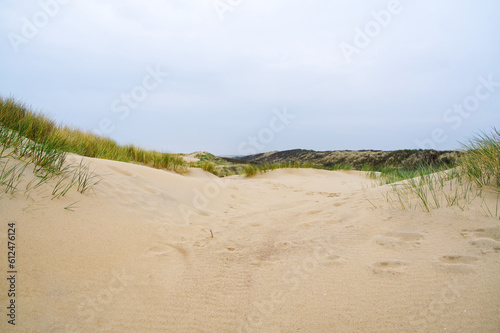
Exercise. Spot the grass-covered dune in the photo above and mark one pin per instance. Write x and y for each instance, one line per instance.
(360, 160)
(395, 165)
(37, 127)
(481, 163)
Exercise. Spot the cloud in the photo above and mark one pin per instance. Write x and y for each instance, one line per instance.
(227, 76)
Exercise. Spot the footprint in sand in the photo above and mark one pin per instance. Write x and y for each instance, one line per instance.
(456, 263)
(165, 249)
(399, 239)
(493, 233)
(486, 245)
(333, 259)
(389, 267)
(487, 239)
(168, 262)
(325, 255)
(457, 259)
(289, 244)
(334, 220)
(308, 224)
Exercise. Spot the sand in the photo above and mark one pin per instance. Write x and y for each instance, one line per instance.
(296, 250)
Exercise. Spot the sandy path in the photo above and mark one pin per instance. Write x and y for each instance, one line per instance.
(292, 251)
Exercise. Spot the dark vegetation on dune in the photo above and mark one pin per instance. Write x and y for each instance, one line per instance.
(400, 164)
(359, 160)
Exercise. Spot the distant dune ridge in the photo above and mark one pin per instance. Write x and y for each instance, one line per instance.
(357, 159)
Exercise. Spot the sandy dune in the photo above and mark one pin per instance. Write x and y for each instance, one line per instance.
(292, 251)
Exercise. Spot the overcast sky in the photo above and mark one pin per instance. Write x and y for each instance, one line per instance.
(245, 76)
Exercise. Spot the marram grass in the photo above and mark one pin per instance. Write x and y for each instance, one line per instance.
(29, 138)
(40, 129)
(428, 187)
(18, 152)
(481, 163)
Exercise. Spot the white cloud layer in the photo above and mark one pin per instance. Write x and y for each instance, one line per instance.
(412, 61)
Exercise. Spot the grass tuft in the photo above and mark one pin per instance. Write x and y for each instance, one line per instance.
(26, 123)
(481, 163)
(431, 187)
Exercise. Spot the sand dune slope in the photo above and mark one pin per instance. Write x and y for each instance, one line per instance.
(288, 251)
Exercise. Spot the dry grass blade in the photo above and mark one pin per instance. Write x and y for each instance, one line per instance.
(459, 187)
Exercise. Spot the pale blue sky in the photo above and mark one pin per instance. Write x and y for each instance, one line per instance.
(350, 74)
